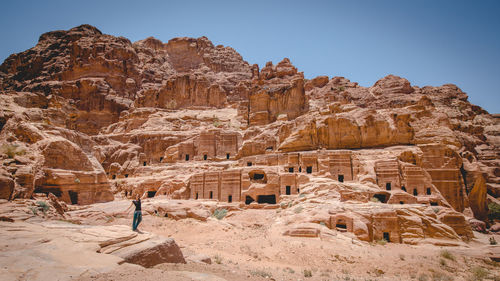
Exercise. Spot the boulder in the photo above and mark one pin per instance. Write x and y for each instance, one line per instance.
(152, 252)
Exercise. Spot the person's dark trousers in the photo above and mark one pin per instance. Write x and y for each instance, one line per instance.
(137, 220)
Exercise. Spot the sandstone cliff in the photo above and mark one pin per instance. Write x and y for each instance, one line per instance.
(84, 115)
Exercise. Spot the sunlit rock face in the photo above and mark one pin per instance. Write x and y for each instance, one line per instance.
(90, 117)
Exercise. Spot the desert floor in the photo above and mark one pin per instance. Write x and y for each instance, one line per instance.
(249, 245)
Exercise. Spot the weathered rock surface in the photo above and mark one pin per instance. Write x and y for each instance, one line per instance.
(89, 117)
(59, 250)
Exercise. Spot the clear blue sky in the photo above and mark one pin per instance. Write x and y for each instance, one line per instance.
(430, 42)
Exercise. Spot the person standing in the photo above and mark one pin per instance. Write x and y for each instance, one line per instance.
(137, 213)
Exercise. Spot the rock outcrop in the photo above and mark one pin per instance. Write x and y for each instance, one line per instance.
(89, 117)
(67, 250)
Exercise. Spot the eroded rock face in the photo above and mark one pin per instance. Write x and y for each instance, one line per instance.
(84, 115)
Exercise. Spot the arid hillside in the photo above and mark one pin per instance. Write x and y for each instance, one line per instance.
(198, 132)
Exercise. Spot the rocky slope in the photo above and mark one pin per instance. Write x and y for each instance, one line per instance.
(91, 117)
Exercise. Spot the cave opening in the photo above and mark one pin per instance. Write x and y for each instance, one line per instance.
(73, 196)
(187, 157)
(387, 236)
(257, 176)
(151, 194)
(341, 178)
(380, 197)
(269, 199)
(428, 191)
(290, 169)
(403, 188)
(341, 225)
(248, 200)
(415, 192)
(54, 190)
(205, 157)
(249, 164)
(227, 155)
(288, 190)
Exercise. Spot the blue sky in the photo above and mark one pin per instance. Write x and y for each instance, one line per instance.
(428, 42)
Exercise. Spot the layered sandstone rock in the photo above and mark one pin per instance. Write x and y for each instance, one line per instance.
(84, 114)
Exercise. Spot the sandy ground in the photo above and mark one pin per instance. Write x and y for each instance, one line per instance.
(249, 245)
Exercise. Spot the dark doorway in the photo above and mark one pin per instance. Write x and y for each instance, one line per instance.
(300, 169)
(205, 157)
(309, 169)
(434, 204)
(428, 191)
(196, 196)
(388, 186)
(269, 199)
(403, 188)
(248, 200)
(298, 190)
(144, 164)
(381, 197)
(341, 178)
(401, 202)
(230, 198)
(341, 225)
(187, 157)
(288, 191)
(415, 192)
(113, 177)
(73, 196)
(257, 176)
(387, 237)
(249, 164)
(161, 159)
(211, 195)
(227, 156)
(126, 175)
(151, 194)
(290, 169)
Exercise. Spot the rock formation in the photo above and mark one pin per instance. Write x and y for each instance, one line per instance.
(89, 117)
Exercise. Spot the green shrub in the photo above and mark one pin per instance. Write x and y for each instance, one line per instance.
(382, 242)
(77, 180)
(12, 150)
(307, 273)
(261, 273)
(220, 213)
(374, 200)
(217, 259)
(494, 211)
(479, 273)
(447, 255)
(493, 241)
(43, 205)
(34, 210)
